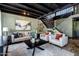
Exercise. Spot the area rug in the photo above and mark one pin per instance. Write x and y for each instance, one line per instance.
(50, 50)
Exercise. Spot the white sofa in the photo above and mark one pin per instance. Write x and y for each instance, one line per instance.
(51, 38)
(26, 37)
(61, 42)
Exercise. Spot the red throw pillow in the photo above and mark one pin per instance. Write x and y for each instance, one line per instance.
(46, 33)
(58, 36)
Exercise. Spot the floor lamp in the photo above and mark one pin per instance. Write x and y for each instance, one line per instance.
(5, 32)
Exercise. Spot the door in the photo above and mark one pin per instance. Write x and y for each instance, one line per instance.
(76, 27)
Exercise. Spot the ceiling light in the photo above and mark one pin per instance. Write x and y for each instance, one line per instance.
(28, 14)
(24, 12)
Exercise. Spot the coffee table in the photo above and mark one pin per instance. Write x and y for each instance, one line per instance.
(35, 45)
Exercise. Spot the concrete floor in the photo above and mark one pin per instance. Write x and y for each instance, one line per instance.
(73, 46)
(50, 50)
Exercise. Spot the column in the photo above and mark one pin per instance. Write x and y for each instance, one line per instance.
(1, 48)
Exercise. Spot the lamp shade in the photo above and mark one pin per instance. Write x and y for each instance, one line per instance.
(5, 29)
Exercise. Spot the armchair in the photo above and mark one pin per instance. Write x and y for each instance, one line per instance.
(61, 42)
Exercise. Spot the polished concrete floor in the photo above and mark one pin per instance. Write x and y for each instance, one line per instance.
(50, 50)
(73, 46)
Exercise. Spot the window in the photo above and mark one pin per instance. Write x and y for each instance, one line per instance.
(64, 11)
(58, 13)
(50, 16)
(70, 9)
(61, 12)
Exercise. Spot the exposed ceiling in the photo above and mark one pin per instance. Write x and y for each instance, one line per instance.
(33, 10)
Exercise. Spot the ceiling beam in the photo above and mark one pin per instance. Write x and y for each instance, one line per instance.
(31, 6)
(20, 6)
(63, 7)
(56, 6)
(30, 9)
(46, 6)
(17, 13)
(42, 7)
(17, 9)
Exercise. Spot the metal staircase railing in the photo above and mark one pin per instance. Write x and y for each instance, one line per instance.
(59, 22)
(44, 23)
(58, 28)
(48, 25)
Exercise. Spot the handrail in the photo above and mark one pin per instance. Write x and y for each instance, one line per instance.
(59, 22)
(44, 23)
(58, 30)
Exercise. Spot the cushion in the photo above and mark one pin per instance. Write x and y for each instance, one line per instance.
(15, 35)
(20, 34)
(58, 33)
(46, 33)
(58, 36)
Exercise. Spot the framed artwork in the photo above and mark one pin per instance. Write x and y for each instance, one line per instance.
(23, 25)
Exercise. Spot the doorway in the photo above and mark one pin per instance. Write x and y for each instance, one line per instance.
(76, 27)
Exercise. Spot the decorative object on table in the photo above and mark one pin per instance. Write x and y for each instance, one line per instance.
(47, 36)
(33, 40)
(33, 37)
(37, 37)
(50, 35)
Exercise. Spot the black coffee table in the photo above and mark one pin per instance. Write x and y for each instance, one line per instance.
(35, 45)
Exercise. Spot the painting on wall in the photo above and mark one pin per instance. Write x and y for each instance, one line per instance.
(23, 25)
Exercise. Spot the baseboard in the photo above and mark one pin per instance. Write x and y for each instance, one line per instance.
(73, 37)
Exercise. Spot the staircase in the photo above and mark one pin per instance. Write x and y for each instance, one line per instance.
(47, 23)
(59, 25)
(59, 22)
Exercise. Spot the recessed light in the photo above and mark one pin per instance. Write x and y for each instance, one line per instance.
(28, 14)
(24, 12)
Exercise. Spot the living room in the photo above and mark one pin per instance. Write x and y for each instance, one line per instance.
(28, 35)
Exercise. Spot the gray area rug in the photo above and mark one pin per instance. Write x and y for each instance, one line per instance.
(50, 50)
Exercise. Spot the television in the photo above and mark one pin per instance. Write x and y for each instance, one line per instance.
(23, 25)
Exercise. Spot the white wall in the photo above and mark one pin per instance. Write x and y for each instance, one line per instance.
(66, 26)
(8, 20)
